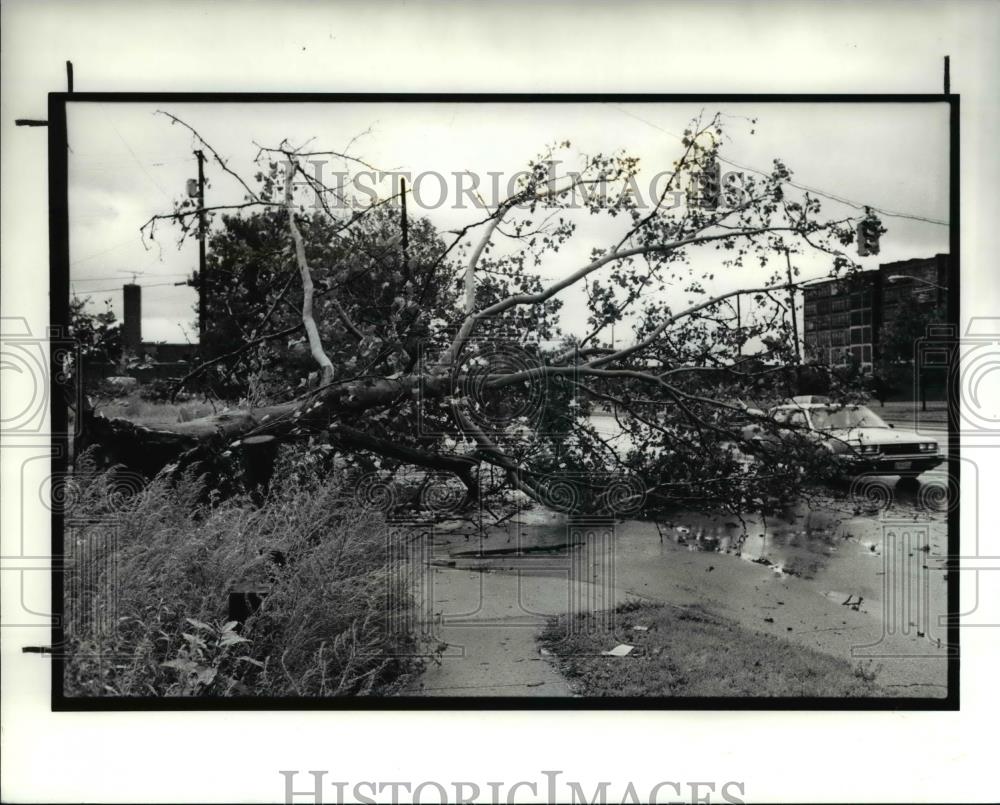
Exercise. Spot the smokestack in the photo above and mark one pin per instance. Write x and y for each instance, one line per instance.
(132, 327)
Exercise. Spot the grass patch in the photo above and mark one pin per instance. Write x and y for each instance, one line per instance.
(907, 413)
(146, 592)
(689, 652)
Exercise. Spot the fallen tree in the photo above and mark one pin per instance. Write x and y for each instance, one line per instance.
(404, 374)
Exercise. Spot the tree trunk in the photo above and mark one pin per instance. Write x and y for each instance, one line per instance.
(150, 449)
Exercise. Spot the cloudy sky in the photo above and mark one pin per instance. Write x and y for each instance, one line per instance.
(128, 163)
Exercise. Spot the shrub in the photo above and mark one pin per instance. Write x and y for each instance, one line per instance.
(146, 597)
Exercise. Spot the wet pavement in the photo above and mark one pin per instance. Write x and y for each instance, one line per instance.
(857, 576)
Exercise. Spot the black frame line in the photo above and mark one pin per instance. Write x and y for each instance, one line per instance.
(59, 320)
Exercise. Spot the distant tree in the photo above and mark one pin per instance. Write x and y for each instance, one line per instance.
(898, 342)
(98, 336)
(372, 311)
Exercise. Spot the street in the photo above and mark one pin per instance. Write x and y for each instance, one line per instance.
(856, 574)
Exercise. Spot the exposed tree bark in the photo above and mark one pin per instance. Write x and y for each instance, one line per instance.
(312, 332)
(150, 449)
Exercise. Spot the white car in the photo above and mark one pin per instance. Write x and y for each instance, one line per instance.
(854, 434)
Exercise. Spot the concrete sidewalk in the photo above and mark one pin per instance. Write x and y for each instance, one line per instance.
(490, 622)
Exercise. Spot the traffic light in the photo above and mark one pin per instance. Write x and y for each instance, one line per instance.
(707, 187)
(869, 232)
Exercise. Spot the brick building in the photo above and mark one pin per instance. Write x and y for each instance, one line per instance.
(842, 318)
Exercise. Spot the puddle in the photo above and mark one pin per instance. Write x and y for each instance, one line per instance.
(825, 542)
(833, 541)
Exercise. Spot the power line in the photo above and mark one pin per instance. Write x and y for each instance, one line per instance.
(113, 277)
(840, 199)
(806, 188)
(137, 161)
(119, 287)
(105, 251)
(85, 162)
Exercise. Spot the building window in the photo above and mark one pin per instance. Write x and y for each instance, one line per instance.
(861, 300)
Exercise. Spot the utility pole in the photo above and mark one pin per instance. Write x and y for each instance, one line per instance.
(202, 278)
(404, 226)
(739, 330)
(791, 304)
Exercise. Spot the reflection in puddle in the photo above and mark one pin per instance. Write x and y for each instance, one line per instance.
(800, 541)
(804, 539)
(797, 543)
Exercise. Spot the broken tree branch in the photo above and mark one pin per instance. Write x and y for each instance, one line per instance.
(312, 332)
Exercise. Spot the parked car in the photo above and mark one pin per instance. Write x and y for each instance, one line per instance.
(854, 434)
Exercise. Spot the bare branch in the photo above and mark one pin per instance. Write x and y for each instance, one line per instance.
(222, 163)
(470, 279)
(470, 322)
(312, 332)
(229, 356)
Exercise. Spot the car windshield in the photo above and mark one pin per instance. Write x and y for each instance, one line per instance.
(854, 416)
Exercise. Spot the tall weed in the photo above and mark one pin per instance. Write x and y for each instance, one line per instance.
(147, 585)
